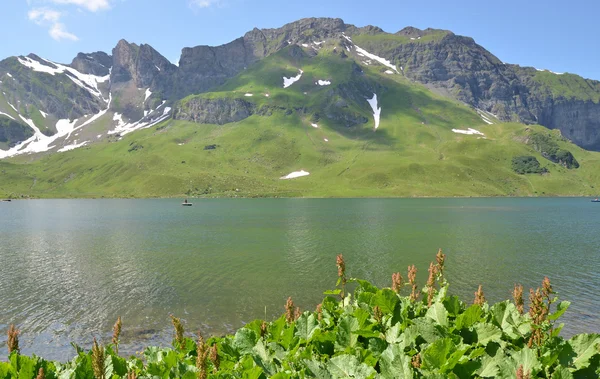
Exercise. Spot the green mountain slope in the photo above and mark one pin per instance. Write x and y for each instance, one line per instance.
(228, 143)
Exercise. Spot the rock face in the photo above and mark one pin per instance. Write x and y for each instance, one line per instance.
(98, 63)
(12, 132)
(54, 94)
(141, 64)
(452, 65)
(458, 67)
(215, 111)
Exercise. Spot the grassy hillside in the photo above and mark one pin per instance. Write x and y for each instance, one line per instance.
(414, 152)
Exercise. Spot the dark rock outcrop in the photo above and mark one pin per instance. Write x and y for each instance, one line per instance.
(98, 63)
(215, 111)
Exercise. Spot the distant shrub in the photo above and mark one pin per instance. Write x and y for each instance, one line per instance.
(527, 165)
(550, 150)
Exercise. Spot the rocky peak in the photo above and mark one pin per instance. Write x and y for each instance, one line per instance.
(142, 64)
(98, 63)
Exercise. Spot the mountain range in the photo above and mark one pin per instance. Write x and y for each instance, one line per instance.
(317, 107)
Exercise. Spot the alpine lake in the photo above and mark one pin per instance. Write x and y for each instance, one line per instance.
(71, 267)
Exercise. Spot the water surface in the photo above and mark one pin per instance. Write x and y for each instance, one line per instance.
(70, 267)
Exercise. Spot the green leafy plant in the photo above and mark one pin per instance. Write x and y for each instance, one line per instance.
(368, 333)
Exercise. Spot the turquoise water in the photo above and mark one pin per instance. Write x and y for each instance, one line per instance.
(70, 267)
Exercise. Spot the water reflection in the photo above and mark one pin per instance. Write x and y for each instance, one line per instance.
(71, 267)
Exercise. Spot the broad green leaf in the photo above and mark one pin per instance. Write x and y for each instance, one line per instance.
(562, 373)
(317, 369)
(487, 333)
(252, 373)
(426, 329)
(560, 310)
(362, 316)
(394, 334)
(346, 336)
(526, 357)
(332, 292)
(456, 356)
(584, 347)
(438, 313)
(489, 366)
(366, 286)
(506, 316)
(471, 316)
(288, 338)
(386, 300)
(348, 366)
(263, 358)
(306, 326)
(395, 364)
(452, 305)
(244, 340)
(434, 357)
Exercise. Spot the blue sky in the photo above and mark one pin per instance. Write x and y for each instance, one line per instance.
(558, 35)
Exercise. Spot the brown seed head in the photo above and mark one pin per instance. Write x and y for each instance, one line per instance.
(131, 375)
(202, 353)
(98, 360)
(263, 329)
(547, 288)
(41, 374)
(440, 259)
(289, 310)
(13, 339)
(341, 265)
(521, 373)
(297, 313)
(397, 282)
(377, 314)
(518, 297)
(416, 361)
(433, 270)
(178, 331)
(214, 357)
(320, 311)
(117, 334)
(479, 297)
(412, 274)
(538, 312)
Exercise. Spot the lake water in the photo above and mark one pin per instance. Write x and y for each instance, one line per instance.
(70, 267)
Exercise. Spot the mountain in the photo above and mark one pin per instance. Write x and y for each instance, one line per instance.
(345, 111)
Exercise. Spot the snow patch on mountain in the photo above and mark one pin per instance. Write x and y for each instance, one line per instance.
(295, 174)
(374, 57)
(7, 115)
(66, 126)
(376, 110)
(469, 131)
(148, 94)
(85, 81)
(44, 114)
(323, 83)
(289, 81)
(73, 146)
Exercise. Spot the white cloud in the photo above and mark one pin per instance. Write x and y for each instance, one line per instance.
(91, 5)
(58, 32)
(51, 19)
(205, 3)
(44, 15)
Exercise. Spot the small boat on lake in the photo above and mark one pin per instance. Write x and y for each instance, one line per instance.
(6, 200)
(596, 200)
(186, 204)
